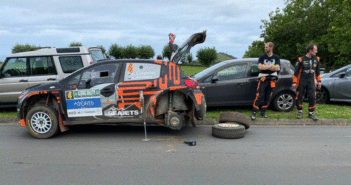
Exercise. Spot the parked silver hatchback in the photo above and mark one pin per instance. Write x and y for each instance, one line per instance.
(27, 69)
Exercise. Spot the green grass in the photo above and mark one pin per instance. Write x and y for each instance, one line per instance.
(191, 70)
(8, 114)
(322, 111)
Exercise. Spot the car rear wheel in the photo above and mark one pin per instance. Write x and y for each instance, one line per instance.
(229, 130)
(42, 123)
(284, 101)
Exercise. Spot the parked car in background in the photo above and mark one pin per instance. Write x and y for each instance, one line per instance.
(26, 69)
(234, 83)
(336, 86)
(115, 91)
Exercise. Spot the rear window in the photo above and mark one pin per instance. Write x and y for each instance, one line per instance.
(141, 71)
(96, 54)
(70, 64)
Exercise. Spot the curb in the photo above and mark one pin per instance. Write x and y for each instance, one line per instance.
(259, 121)
(277, 122)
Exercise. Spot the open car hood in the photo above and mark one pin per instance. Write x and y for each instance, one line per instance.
(184, 49)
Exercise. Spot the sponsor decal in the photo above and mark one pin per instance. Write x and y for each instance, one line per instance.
(115, 112)
(81, 103)
(130, 68)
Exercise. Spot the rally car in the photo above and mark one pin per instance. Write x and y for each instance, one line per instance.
(116, 91)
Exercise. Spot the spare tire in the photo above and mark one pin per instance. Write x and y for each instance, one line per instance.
(235, 117)
(229, 130)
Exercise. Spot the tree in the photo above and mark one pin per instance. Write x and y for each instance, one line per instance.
(206, 56)
(256, 49)
(75, 44)
(116, 51)
(102, 48)
(189, 57)
(130, 52)
(22, 48)
(159, 57)
(166, 53)
(146, 52)
(324, 22)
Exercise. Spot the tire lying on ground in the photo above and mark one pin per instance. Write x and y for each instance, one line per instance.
(229, 130)
(235, 117)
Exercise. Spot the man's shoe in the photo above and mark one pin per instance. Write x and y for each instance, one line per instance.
(299, 115)
(263, 114)
(253, 116)
(312, 116)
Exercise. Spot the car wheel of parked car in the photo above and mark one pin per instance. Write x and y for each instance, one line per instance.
(235, 117)
(229, 130)
(322, 96)
(42, 122)
(284, 101)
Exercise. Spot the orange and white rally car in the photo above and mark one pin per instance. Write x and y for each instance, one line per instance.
(116, 91)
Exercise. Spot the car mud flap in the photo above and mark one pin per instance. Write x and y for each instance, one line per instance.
(63, 128)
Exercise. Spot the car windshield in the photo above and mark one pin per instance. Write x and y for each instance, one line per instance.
(96, 54)
(210, 69)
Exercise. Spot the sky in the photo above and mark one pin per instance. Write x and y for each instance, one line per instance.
(231, 25)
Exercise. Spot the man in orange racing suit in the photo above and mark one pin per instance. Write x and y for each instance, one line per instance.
(307, 72)
(269, 65)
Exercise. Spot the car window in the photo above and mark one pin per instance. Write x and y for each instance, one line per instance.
(254, 69)
(41, 66)
(75, 79)
(70, 64)
(338, 73)
(15, 67)
(141, 71)
(207, 79)
(96, 54)
(348, 71)
(232, 72)
(98, 75)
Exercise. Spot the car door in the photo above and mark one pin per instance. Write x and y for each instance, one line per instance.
(92, 92)
(226, 86)
(252, 83)
(14, 79)
(342, 86)
(137, 80)
(42, 70)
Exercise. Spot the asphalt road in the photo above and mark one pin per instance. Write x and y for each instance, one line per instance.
(117, 155)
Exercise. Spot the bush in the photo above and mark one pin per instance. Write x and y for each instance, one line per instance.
(189, 58)
(206, 56)
(145, 52)
(166, 53)
(74, 44)
(116, 51)
(22, 48)
(131, 52)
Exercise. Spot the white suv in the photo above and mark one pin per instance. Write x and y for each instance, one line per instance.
(26, 69)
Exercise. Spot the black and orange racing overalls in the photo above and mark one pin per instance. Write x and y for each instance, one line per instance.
(264, 93)
(307, 73)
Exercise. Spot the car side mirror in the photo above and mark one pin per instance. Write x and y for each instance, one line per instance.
(342, 75)
(214, 79)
